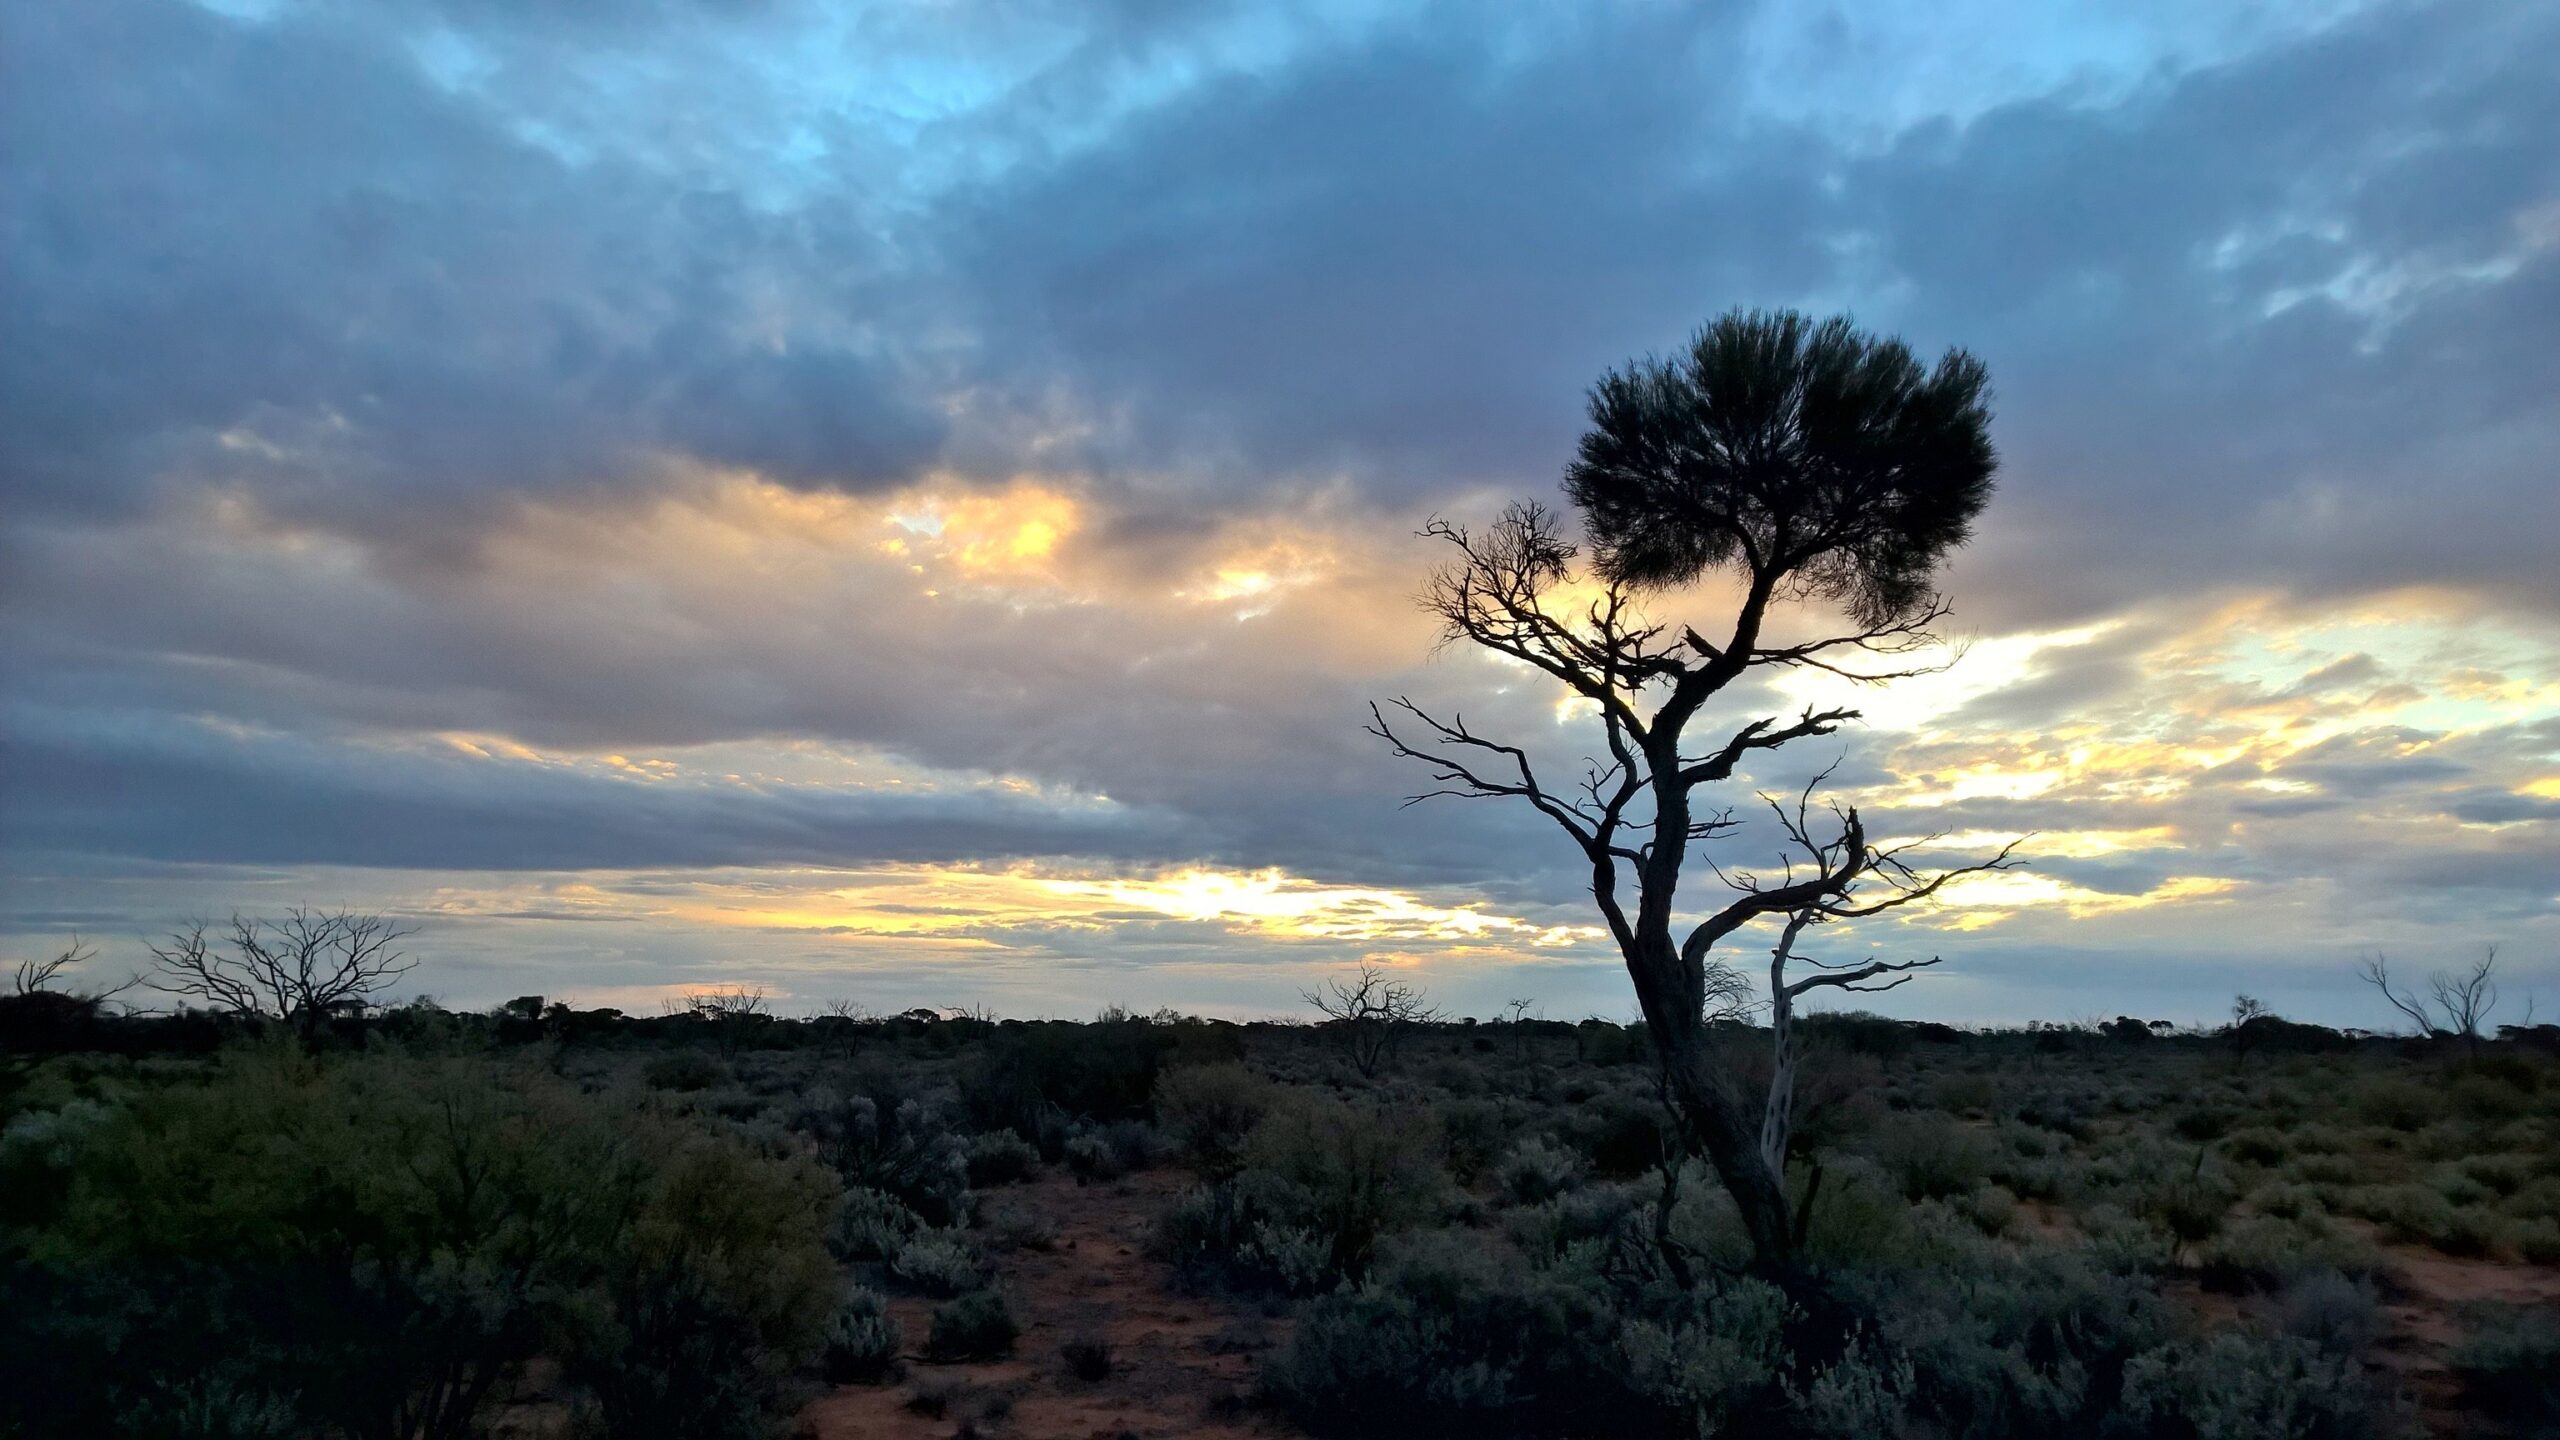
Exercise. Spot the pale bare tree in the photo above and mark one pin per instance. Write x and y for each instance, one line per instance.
(301, 970)
(1881, 881)
(2457, 1003)
(1373, 1010)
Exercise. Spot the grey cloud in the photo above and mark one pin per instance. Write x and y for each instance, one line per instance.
(287, 235)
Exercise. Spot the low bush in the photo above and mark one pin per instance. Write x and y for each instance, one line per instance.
(2332, 1311)
(1363, 1171)
(1088, 1356)
(296, 1246)
(871, 1225)
(862, 1340)
(1933, 1156)
(1538, 1169)
(895, 1144)
(1473, 1134)
(1000, 1157)
(1102, 1071)
(976, 1326)
(683, 1070)
(2510, 1364)
(937, 1262)
(1255, 1233)
(1090, 1157)
(1208, 1113)
(2236, 1385)
(1443, 1341)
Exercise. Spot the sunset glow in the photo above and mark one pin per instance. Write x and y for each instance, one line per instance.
(928, 521)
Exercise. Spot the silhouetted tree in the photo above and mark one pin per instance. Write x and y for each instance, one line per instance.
(44, 1012)
(303, 970)
(1813, 463)
(2456, 1005)
(1373, 1011)
(2244, 1009)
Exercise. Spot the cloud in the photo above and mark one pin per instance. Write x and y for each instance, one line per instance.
(474, 449)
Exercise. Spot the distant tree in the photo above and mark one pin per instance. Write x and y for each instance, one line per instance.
(2244, 1009)
(2456, 1005)
(1372, 1010)
(1812, 463)
(1516, 1015)
(850, 1021)
(44, 1012)
(734, 1011)
(304, 970)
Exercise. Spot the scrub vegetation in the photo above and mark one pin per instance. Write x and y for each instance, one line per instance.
(547, 1221)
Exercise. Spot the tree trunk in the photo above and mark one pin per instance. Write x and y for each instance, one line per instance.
(1712, 1121)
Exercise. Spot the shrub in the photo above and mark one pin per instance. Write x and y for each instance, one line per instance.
(897, 1145)
(1000, 1157)
(1863, 1393)
(2331, 1311)
(871, 1225)
(2261, 1252)
(1208, 1112)
(1363, 1171)
(1538, 1169)
(1443, 1342)
(1091, 1157)
(1088, 1356)
(1136, 1144)
(1858, 1214)
(862, 1340)
(936, 1262)
(2510, 1364)
(1102, 1071)
(2257, 1145)
(1965, 1093)
(326, 1247)
(1621, 1133)
(2203, 1123)
(1720, 1358)
(1254, 1232)
(2236, 1385)
(1932, 1156)
(721, 1292)
(977, 1326)
(685, 1070)
(1473, 1134)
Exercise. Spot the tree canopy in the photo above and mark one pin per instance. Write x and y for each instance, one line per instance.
(1796, 450)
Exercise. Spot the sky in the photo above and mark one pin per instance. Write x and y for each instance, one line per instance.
(908, 502)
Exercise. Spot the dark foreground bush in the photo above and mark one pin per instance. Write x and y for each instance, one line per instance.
(977, 1326)
(1444, 1342)
(2510, 1365)
(376, 1246)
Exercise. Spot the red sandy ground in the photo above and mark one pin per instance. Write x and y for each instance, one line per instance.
(1181, 1363)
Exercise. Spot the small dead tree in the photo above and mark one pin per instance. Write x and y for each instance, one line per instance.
(45, 977)
(44, 1011)
(302, 970)
(2457, 1003)
(1373, 1010)
(1840, 877)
